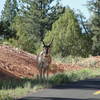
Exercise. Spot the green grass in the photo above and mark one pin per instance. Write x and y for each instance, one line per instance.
(13, 93)
(66, 77)
(95, 72)
(11, 89)
(68, 60)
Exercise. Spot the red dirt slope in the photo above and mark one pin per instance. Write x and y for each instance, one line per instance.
(17, 63)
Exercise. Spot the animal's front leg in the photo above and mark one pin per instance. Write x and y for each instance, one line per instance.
(44, 78)
(40, 75)
(47, 76)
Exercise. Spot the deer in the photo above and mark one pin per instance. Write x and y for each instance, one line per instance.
(43, 61)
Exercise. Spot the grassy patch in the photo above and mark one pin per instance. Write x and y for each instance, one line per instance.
(66, 77)
(11, 89)
(17, 88)
(63, 78)
(68, 60)
(95, 72)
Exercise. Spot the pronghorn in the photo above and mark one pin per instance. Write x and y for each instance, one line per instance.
(44, 61)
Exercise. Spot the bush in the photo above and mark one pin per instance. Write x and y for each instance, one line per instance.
(63, 78)
(68, 39)
(5, 97)
(69, 59)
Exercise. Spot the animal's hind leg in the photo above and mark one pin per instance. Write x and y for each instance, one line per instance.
(40, 75)
(47, 76)
(44, 78)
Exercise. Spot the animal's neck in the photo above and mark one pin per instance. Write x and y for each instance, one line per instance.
(44, 54)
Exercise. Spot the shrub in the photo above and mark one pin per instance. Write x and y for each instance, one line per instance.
(63, 78)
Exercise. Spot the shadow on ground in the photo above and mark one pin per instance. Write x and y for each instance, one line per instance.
(50, 98)
(90, 84)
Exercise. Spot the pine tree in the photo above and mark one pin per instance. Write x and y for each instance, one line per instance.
(8, 14)
(94, 7)
(10, 10)
(34, 19)
(86, 33)
(5, 31)
(67, 35)
(41, 12)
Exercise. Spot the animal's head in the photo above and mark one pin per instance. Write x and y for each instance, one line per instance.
(47, 47)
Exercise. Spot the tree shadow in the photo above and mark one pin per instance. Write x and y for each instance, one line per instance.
(90, 84)
(54, 98)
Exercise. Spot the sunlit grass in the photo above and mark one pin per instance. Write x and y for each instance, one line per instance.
(13, 89)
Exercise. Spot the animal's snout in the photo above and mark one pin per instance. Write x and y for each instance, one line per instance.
(47, 51)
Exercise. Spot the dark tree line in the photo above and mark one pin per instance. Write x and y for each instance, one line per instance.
(24, 23)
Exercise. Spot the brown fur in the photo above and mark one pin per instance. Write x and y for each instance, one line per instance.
(43, 63)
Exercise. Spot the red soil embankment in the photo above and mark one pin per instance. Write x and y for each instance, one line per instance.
(16, 63)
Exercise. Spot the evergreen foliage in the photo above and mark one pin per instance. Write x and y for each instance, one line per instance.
(5, 30)
(94, 7)
(68, 39)
(86, 33)
(10, 10)
(8, 14)
(35, 18)
(24, 23)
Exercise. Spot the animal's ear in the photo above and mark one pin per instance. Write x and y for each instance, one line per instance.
(43, 43)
